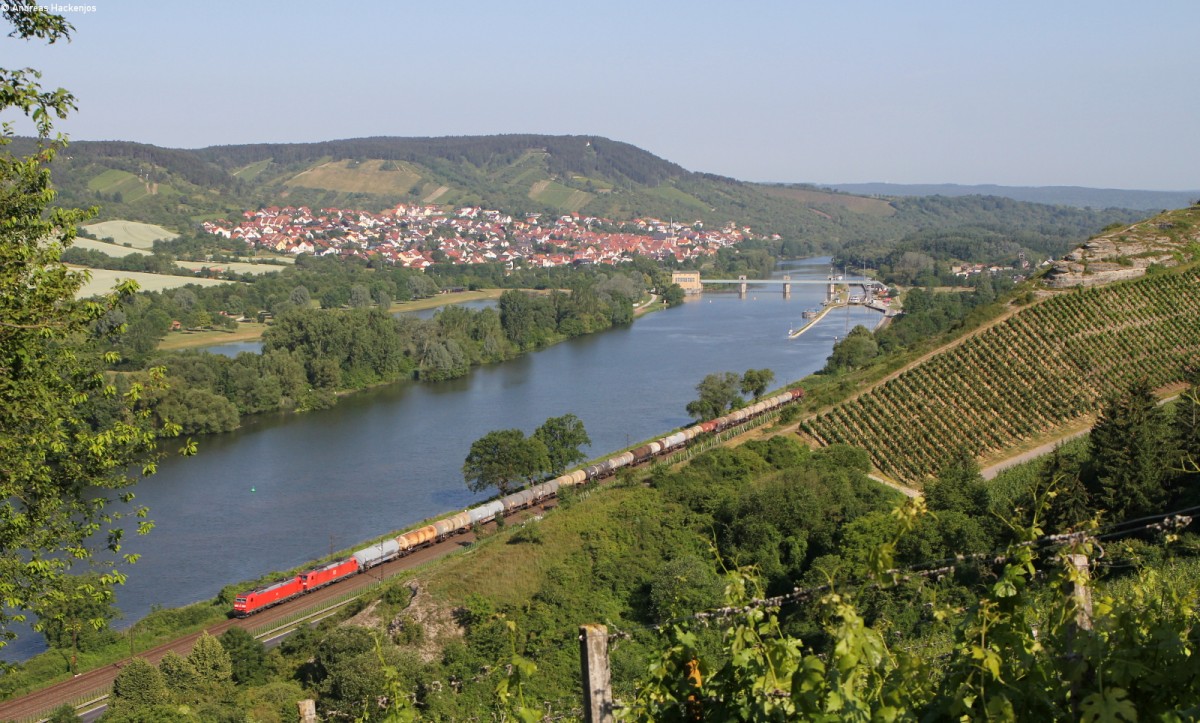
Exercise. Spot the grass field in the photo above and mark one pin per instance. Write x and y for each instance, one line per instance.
(559, 196)
(136, 234)
(354, 177)
(190, 339)
(125, 183)
(673, 194)
(103, 280)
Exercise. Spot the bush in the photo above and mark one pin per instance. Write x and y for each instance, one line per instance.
(529, 532)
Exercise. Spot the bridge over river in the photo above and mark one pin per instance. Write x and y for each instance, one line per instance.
(692, 283)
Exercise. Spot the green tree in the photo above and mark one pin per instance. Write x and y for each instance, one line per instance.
(300, 297)
(673, 295)
(563, 436)
(683, 586)
(247, 656)
(360, 296)
(857, 349)
(756, 381)
(65, 477)
(139, 684)
(1131, 449)
(1185, 427)
(502, 458)
(718, 394)
(64, 713)
(959, 487)
(75, 614)
(211, 660)
(179, 675)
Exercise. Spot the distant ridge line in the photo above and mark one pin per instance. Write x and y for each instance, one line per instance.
(1076, 196)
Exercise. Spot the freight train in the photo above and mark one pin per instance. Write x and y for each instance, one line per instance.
(261, 598)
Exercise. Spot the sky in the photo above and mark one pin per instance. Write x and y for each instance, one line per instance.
(1028, 93)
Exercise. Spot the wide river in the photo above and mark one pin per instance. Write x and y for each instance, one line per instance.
(284, 489)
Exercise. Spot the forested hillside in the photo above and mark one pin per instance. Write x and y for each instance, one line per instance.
(519, 173)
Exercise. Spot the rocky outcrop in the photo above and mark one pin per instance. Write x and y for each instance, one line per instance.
(1127, 252)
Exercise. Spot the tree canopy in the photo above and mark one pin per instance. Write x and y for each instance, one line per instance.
(502, 459)
(563, 436)
(63, 475)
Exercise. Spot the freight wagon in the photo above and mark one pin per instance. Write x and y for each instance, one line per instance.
(252, 601)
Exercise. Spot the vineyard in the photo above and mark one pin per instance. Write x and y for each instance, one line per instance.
(1041, 368)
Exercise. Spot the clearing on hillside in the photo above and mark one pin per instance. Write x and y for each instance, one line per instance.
(138, 235)
(381, 178)
(810, 197)
(250, 172)
(559, 196)
(675, 195)
(437, 193)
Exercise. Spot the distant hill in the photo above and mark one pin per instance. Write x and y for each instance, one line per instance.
(518, 173)
(1076, 196)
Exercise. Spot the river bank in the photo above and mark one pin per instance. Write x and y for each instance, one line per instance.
(280, 487)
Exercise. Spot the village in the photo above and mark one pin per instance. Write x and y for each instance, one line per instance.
(417, 236)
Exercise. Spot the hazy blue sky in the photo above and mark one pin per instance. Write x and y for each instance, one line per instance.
(1049, 92)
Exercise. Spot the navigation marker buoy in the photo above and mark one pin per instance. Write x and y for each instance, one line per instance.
(252, 489)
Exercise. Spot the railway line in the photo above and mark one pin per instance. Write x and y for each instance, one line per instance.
(98, 681)
(435, 541)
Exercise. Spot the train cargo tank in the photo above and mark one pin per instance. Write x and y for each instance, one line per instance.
(377, 554)
(487, 512)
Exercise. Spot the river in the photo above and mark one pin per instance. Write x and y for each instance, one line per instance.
(284, 489)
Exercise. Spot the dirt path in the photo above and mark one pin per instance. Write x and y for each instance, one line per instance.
(991, 471)
(1168, 394)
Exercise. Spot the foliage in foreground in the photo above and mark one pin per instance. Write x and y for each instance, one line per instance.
(66, 477)
(1025, 651)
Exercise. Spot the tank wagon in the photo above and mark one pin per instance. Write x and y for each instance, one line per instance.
(261, 598)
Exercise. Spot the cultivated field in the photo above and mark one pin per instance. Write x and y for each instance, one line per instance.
(104, 247)
(382, 178)
(235, 266)
(103, 280)
(1045, 368)
(136, 234)
(437, 193)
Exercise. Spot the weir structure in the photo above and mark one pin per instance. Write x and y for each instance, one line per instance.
(696, 284)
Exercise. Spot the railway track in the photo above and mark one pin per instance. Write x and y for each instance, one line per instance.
(92, 687)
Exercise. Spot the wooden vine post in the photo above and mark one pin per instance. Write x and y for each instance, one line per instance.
(597, 680)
